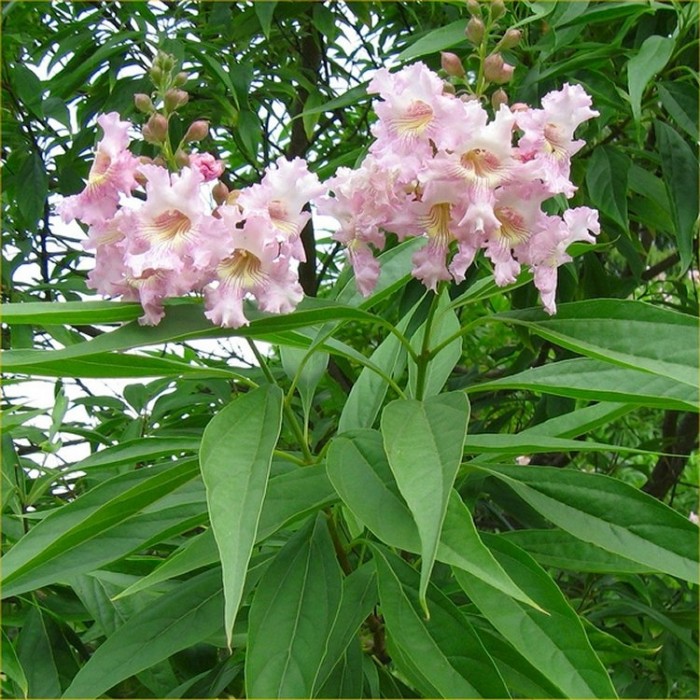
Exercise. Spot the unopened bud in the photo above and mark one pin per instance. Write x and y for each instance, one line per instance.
(140, 178)
(448, 88)
(474, 8)
(498, 9)
(519, 107)
(180, 79)
(496, 70)
(500, 97)
(181, 158)
(232, 197)
(156, 75)
(164, 61)
(156, 129)
(475, 30)
(143, 103)
(198, 130)
(510, 39)
(175, 98)
(451, 64)
(219, 192)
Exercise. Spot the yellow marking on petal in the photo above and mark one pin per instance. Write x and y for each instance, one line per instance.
(279, 215)
(555, 141)
(437, 223)
(415, 120)
(481, 164)
(241, 269)
(513, 230)
(169, 227)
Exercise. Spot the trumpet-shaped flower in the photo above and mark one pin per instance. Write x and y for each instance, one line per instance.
(111, 175)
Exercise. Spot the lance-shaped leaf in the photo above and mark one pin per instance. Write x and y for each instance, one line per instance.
(235, 459)
(292, 615)
(610, 514)
(633, 334)
(175, 621)
(424, 442)
(555, 643)
(358, 468)
(442, 657)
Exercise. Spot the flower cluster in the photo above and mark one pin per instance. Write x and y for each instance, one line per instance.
(158, 234)
(441, 170)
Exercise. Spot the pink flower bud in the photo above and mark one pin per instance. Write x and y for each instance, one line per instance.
(155, 130)
(510, 39)
(451, 64)
(180, 79)
(496, 70)
(198, 130)
(500, 97)
(498, 9)
(181, 158)
(475, 30)
(175, 98)
(219, 193)
(474, 8)
(143, 103)
(448, 88)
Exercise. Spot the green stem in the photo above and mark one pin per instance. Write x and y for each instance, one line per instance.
(289, 414)
(424, 357)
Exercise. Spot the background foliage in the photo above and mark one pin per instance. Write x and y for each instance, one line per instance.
(112, 577)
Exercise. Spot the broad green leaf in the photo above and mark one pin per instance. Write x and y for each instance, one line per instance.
(652, 57)
(444, 325)
(554, 642)
(599, 12)
(423, 442)
(609, 514)
(36, 654)
(235, 459)
(11, 665)
(680, 100)
(307, 372)
(135, 451)
(359, 470)
(606, 179)
(679, 165)
(176, 621)
(443, 656)
(34, 181)
(358, 600)
(265, 12)
(564, 551)
(442, 38)
(77, 532)
(599, 381)
(292, 614)
(347, 677)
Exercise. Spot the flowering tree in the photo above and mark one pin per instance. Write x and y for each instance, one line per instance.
(411, 291)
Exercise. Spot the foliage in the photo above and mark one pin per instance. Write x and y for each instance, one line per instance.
(403, 495)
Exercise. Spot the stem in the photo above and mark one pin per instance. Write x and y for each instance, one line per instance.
(289, 414)
(424, 356)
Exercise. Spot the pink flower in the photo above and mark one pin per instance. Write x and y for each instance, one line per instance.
(173, 229)
(111, 174)
(209, 167)
(251, 266)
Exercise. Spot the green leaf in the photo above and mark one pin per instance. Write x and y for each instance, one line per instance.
(680, 100)
(606, 179)
(652, 57)
(609, 514)
(35, 184)
(564, 551)
(633, 334)
(442, 657)
(72, 538)
(11, 665)
(424, 442)
(41, 313)
(132, 452)
(265, 12)
(531, 443)
(679, 165)
(307, 371)
(554, 642)
(35, 652)
(444, 325)
(180, 619)
(292, 615)
(442, 38)
(359, 470)
(235, 459)
(599, 381)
